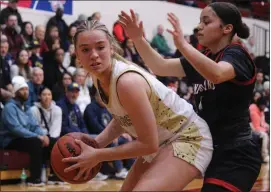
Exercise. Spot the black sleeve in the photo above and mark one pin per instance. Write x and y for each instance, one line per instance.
(191, 74)
(242, 64)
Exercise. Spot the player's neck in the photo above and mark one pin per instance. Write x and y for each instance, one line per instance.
(219, 45)
(104, 79)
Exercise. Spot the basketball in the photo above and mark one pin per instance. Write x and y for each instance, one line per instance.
(66, 147)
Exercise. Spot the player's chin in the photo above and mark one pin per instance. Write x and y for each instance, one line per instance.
(202, 41)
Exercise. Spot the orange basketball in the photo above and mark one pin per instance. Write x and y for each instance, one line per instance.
(66, 147)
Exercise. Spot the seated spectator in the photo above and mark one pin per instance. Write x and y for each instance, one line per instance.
(10, 9)
(49, 117)
(14, 37)
(35, 58)
(5, 75)
(52, 38)
(70, 59)
(27, 34)
(257, 115)
(131, 54)
(259, 82)
(259, 125)
(159, 42)
(5, 54)
(21, 132)
(83, 99)
(256, 96)
(35, 85)
(266, 95)
(6, 89)
(22, 66)
(97, 118)
(194, 38)
(39, 36)
(53, 71)
(47, 113)
(71, 32)
(72, 120)
(60, 87)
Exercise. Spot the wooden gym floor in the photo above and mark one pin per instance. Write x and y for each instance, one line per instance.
(262, 185)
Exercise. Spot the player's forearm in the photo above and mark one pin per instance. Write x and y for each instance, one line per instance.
(112, 131)
(129, 150)
(208, 68)
(150, 57)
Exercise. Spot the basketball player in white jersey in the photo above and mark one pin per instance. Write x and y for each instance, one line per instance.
(172, 144)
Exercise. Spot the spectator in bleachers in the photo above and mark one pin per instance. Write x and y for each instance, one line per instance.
(159, 42)
(69, 61)
(35, 58)
(52, 38)
(53, 70)
(4, 52)
(72, 120)
(14, 37)
(21, 132)
(27, 33)
(60, 87)
(259, 82)
(259, 124)
(97, 118)
(10, 9)
(62, 26)
(22, 66)
(130, 53)
(47, 113)
(83, 99)
(49, 118)
(81, 19)
(119, 33)
(5, 72)
(95, 16)
(40, 36)
(256, 96)
(71, 32)
(35, 85)
(194, 39)
(266, 95)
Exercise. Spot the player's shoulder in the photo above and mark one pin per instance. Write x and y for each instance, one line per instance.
(236, 49)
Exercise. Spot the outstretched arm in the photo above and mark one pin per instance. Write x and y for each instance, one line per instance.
(159, 65)
(209, 69)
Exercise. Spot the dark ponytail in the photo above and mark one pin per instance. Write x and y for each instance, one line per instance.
(243, 31)
(229, 14)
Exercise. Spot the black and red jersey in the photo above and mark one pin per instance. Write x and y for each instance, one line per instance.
(225, 106)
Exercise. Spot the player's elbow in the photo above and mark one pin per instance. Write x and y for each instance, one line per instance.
(218, 77)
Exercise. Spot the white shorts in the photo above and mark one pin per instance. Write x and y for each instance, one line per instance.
(192, 144)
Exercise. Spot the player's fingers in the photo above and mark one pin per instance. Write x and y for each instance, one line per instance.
(123, 19)
(122, 24)
(73, 167)
(133, 15)
(124, 14)
(80, 173)
(70, 160)
(87, 173)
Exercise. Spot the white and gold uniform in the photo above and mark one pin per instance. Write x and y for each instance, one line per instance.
(177, 122)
